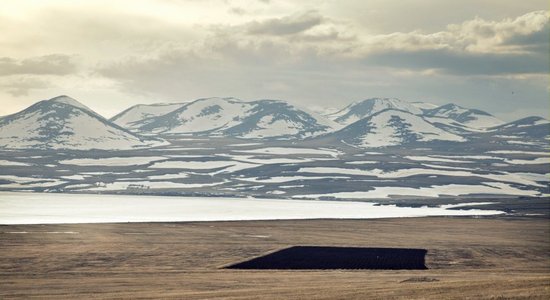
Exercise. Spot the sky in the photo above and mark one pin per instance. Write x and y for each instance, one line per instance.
(486, 54)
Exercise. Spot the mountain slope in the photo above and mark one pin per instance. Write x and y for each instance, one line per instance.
(392, 127)
(473, 118)
(64, 123)
(141, 114)
(522, 123)
(362, 109)
(233, 117)
(534, 131)
(199, 116)
(272, 118)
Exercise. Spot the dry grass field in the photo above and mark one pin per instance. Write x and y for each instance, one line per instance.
(477, 258)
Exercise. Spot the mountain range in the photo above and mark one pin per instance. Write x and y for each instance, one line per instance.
(65, 123)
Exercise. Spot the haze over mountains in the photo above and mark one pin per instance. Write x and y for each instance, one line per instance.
(64, 123)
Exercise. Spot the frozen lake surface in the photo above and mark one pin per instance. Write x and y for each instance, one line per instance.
(49, 208)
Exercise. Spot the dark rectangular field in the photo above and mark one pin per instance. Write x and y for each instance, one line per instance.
(325, 258)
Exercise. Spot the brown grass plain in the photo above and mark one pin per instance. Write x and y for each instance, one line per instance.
(468, 258)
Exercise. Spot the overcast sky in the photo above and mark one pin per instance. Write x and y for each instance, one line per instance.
(486, 54)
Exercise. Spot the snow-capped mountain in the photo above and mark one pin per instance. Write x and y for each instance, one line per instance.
(236, 118)
(393, 127)
(202, 115)
(64, 123)
(362, 109)
(473, 118)
(140, 114)
(273, 118)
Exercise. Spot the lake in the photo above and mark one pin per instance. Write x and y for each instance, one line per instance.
(55, 208)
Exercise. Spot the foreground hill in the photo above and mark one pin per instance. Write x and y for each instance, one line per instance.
(64, 123)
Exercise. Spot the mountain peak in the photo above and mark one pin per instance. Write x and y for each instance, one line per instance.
(450, 106)
(69, 101)
(368, 107)
(473, 118)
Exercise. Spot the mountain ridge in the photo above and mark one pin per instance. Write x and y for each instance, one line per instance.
(383, 125)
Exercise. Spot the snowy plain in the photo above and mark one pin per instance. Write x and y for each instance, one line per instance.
(42, 208)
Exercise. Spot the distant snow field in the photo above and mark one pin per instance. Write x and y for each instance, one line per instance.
(437, 159)
(4, 162)
(124, 185)
(494, 188)
(280, 179)
(31, 208)
(112, 161)
(502, 176)
(291, 151)
(519, 152)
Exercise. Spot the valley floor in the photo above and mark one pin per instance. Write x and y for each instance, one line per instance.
(491, 258)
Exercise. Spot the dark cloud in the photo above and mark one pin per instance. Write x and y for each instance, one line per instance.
(286, 25)
(538, 41)
(53, 64)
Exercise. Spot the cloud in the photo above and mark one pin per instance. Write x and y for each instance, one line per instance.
(474, 47)
(237, 10)
(308, 51)
(53, 64)
(232, 59)
(285, 25)
(472, 36)
(22, 85)
(479, 35)
(461, 63)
